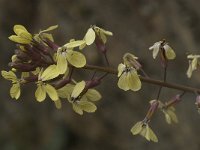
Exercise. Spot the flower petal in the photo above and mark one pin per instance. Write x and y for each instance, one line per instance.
(123, 82)
(19, 28)
(74, 44)
(87, 106)
(49, 73)
(155, 48)
(93, 95)
(62, 64)
(90, 36)
(40, 93)
(77, 108)
(152, 135)
(18, 39)
(79, 87)
(65, 91)
(49, 29)
(51, 91)
(9, 75)
(134, 82)
(76, 59)
(121, 68)
(15, 91)
(58, 104)
(136, 129)
(169, 52)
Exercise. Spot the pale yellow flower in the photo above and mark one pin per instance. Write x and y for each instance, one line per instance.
(144, 130)
(64, 56)
(80, 101)
(169, 112)
(43, 34)
(15, 89)
(128, 78)
(43, 88)
(89, 37)
(22, 35)
(193, 64)
(169, 52)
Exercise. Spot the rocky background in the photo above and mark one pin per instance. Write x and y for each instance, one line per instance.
(28, 125)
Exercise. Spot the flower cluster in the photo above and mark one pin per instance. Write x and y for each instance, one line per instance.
(40, 60)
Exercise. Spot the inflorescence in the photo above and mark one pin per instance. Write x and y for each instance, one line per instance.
(39, 60)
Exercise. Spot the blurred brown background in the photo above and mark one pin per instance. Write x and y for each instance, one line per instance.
(136, 24)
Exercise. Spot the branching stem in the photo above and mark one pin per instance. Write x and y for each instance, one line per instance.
(148, 80)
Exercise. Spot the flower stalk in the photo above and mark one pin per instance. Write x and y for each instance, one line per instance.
(146, 80)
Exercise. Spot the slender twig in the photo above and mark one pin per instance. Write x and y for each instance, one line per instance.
(144, 73)
(106, 58)
(164, 80)
(147, 80)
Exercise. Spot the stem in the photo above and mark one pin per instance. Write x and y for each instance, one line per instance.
(164, 80)
(147, 80)
(106, 58)
(144, 73)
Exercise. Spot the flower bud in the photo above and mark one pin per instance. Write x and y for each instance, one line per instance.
(100, 45)
(92, 83)
(51, 44)
(22, 55)
(22, 67)
(174, 100)
(153, 107)
(131, 61)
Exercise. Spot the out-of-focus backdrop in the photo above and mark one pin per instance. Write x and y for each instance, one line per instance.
(28, 125)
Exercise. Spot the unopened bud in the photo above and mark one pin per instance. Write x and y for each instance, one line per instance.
(153, 107)
(174, 100)
(100, 45)
(51, 44)
(92, 83)
(131, 60)
(22, 67)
